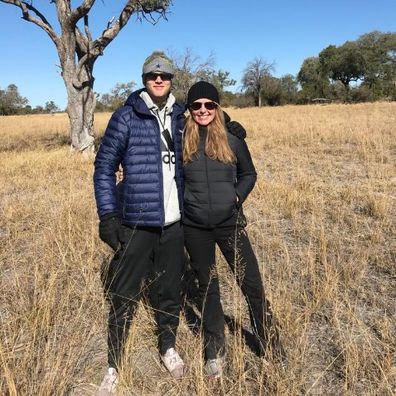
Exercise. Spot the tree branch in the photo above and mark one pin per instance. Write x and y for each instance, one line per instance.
(112, 31)
(82, 41)
(82, 64)
(82, 10)
(41, 21)
(86, 28)
(132, 7)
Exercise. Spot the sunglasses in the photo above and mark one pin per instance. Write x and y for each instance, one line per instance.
(207, 105)
(162, 76)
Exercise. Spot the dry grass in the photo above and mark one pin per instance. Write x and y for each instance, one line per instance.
(322, 222)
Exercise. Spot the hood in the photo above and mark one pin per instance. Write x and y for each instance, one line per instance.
(153, 107)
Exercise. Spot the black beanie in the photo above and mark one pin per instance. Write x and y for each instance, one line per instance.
(202, 89)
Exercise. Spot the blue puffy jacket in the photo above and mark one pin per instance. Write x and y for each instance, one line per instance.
(132, 139)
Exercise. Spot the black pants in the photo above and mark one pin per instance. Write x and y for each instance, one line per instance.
(237, 250)
(150, 258)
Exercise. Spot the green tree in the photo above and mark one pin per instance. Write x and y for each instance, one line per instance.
(38, 110)
(115, 98)
(345, 63)
(313, 82)
(51, 107)
(221, 80)
(379, 51)
(289, 88)
(11, 102)
(271, 91)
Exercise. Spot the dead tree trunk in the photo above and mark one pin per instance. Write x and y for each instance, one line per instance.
(80, 109)
(79, 83)
(78, 52)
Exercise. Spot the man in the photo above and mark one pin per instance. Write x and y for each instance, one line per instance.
(141, 221)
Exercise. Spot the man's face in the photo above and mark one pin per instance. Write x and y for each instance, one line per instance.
(158, 86)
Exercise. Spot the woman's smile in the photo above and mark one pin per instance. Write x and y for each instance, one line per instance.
(203, 116)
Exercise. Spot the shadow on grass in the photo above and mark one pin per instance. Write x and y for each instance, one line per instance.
(191, 308)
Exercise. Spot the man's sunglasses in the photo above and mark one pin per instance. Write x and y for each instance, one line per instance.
(163, 76)
(207, 105)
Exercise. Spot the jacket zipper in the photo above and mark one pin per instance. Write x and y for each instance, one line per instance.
(208, 184)
(174, 124)
(161, 173)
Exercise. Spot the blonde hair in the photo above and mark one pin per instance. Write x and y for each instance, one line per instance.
(216, 145)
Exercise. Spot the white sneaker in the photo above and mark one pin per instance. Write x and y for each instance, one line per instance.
(109, 383)
(174, 363)
(214, 368)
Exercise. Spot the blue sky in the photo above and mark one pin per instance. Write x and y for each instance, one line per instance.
(236, 31)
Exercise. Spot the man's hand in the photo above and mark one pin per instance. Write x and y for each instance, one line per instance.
(110, 231)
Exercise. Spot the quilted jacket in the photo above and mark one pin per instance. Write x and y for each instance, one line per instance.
(132, 139)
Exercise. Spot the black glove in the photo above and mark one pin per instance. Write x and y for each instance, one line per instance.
(236, 129)
(110, 231)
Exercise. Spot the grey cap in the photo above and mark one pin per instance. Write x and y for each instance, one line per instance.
(158, 62)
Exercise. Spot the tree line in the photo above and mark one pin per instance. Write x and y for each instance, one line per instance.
(13, 103)
(370, 62)
(356, 71)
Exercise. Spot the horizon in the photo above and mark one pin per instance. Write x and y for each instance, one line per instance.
(300, 32)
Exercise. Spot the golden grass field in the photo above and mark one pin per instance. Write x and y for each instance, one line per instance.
(322, 219)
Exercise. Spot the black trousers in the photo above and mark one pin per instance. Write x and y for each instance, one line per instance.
(150, 258)
(237, 250)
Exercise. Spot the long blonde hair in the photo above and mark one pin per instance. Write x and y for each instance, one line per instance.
(216, 145)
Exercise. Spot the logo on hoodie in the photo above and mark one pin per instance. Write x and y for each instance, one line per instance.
(167, 148)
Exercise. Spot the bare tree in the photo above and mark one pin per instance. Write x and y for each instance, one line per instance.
(190, 68)
(78, 51)
(254, 76)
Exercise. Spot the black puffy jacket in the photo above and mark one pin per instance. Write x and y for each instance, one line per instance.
(212, 187)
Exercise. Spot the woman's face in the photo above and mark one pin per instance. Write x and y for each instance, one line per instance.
(203, 115)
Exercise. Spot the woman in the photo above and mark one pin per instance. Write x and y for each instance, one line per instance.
(219, 175)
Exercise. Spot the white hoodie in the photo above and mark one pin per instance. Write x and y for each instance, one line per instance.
(171, 199)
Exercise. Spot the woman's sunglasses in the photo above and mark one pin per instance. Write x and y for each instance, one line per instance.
(207, 105)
